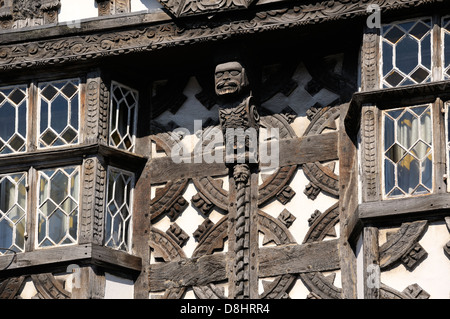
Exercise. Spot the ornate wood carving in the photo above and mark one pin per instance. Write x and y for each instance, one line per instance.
(322, 176)
(49, 288)
(24, 13)
(97, 103)
(92, 214)
(413, 291)
(181, 8)
(149, 38)
(369, 61)
(10, 287)
(402, 246)
(177, 234)
(369, 154)
(110, 7)
(45, 283)
(321, 286)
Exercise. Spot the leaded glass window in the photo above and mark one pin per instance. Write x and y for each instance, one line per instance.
(58, 206)
(13, 207)
(446, 46)
(124, 102)
(59, 113)
(406, 53)
(119, 209)
(13, 119)
(408, 151)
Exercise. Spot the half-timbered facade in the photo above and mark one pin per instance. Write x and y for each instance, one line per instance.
(257, 149)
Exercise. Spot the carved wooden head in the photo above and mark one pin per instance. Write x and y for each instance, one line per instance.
(230, 79)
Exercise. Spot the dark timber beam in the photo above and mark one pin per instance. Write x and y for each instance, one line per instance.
(295, 151)
(273, 261)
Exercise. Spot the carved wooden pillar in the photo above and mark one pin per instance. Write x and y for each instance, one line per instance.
(239, 119)
(369, 60)
(110, 7)
(96, 114)
(93, 198)
(50, 10)
(6, 17)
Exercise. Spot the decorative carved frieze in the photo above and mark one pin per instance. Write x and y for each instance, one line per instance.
(155, 37)
(27, 13)
(110, 7)
(181, 8)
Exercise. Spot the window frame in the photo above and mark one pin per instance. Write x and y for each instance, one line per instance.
(132, 182)
(38, 102)
(380, 53)
(382, 152)
(437, 49)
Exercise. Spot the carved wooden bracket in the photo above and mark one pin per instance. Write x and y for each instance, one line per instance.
(110, 7)
(194, 7)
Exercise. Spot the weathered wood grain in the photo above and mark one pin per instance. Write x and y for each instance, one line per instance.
(87, 254)
(187, 272)
(294, 259)
(294, 151)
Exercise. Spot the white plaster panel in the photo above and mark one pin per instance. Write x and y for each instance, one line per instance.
(301, 206)
(145, 5)
(74, 10)
(300, 100)
(118, 288)
(191, 109)
(189, 220)
(433, 273)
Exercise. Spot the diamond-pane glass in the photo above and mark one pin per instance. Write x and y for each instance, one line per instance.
(58, 207)
(124, 103)
(408, 162)
(118, 212)
(59, 112)
(406, 53)
(13, 119)
(13, 199)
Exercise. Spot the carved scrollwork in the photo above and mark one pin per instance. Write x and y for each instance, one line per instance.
(166, 248)
(322, 225)
(9, 287)
(169, 199)
(49, 288)
(402, 246)
(322, 176)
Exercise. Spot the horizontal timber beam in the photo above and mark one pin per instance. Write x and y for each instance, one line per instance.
(273, 261)
(430, 207)
(68, 156)
(65, 255)
(295, 151)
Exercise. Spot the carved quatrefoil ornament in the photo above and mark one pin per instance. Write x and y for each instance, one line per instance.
(182, 8)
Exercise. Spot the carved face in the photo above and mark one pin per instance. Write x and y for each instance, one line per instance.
(230, 78)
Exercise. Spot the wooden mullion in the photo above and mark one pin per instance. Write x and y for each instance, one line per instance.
(371, 263)
(436, 61)
(439, 146)
(32, 203)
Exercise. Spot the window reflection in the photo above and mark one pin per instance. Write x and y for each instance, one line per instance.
(408, 151)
